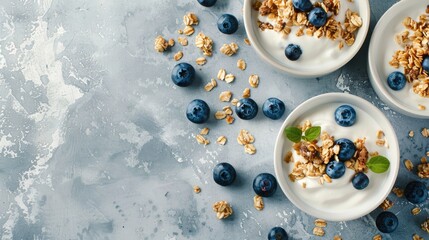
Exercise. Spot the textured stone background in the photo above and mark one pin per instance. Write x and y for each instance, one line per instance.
(94, 143)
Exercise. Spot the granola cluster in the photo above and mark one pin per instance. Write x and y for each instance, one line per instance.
(222, 209)
(414, 41)
(315, 158)
(282, 17)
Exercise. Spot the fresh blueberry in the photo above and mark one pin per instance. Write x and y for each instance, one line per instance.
(183, 74)
(273, 108)
(335, 169)
(265, 185)
(227, 24)
(277, 233)
(317, 17)
(347, 149)
(386, 222)
(198, 111)
(416, 192)
(360, 181)
(207, 3)
(345, 116)
(396, 81)
(293, 52)
(425, 64)
(246, 108)
(302, 5)
(224, 174)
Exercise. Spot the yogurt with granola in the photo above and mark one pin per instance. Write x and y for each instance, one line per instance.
(337, 194)
(280, 24)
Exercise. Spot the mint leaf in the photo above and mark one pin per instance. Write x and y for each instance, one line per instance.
(312, 133)
(378, 164)
(293, 133)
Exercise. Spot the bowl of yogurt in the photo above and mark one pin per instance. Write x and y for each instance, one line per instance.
(337, 199)
(273, 25)
(391, 42)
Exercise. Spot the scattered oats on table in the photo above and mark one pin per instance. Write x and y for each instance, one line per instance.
(225, 96)
(201, 61)
(205, 43)
(188, 30)
(219, 115)
(171, 42)
(409, 165)
(221, 74)
(320, 223)
(229, 119)
(229, 49)
(398, 192)
(205, 131)
(377, 237)
(244, 137)
(416, 210)
(202, 140)
(249, 149)
(425, 132)
(241, 64)
(178, 56)
(411, 134)
(183, 41)
(425, 225)
(417, 237)
(258, 203)
(229, 78)
(254, 80)
(221, 140)
(423, 170)
(386, 204)
(318, 231)
(190, 19)
(235, 101)
(222, 209)
(227, 110)
(246, 93)
(337, 237)
(247, 41)
(161, 44)
(210, 85)
(197, 189)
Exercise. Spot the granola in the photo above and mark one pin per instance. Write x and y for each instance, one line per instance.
(204, 43)
(161, 44)
(222, 209)
(258, 203)
(386, 204)
(229, 49)
(197, 189)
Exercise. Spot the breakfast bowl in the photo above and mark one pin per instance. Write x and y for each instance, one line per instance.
(381, 61)
(315, 190)
(323, 49)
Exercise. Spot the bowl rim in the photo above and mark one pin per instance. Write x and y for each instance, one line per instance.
(360, 39)
(373, 74)
(331, 98)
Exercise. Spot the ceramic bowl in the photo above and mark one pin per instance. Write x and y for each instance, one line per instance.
(339, 200)
(381, 49)
(313, 66)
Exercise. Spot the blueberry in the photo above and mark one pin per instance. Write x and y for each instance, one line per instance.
(416, 192)
(347, 149)
(317, 17)
(386, 222)
(277, 233)
(227, 24)
(293, 52)
(302, 5)
(273, 108)
(425, 64)
(183, 74)
(265, 185)
(198, 111)
(396, 80)
(224, 174)
(207, 3)
(345, 116)
(246, 108)
(360, 181)
(335, 169)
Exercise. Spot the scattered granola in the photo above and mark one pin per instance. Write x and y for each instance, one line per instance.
(258, 203)
(398, 192)
(318, 231)
(241, 64)
(221, 74)
(190, 19)
(247, 41)
(183, 41)
(377, 237)
(244, 137)
(229, 49)
(171, 42)
(161, 44)
(178, 56)
(201, 61)
(386, 204)
(234, 101)
(204, 131)
(188, 30)
(227, 110)
(249, 149)
(229, 78)
(425, 225)
(225, 96)
(219, 115)
(411, 134)
(425, 132)
(320, 223)
(221, 140)
(416, 211)
(423, 170)
(229, 119)
(254, 80)
(409, 165)
(222, 209)
(197, 189)
(202, 140)
(246, 93)
(204, 43)
(210, 85)
(417, 237)
(337, 237)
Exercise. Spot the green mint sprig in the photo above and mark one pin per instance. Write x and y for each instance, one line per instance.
(378, 164)
(295, 135)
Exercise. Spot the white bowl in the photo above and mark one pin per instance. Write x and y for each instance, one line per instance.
(339, 201)
(314, 66)
(382, 47)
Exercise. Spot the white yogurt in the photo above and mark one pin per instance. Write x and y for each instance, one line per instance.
(406, 95)
(316, 52)
(340, 194)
